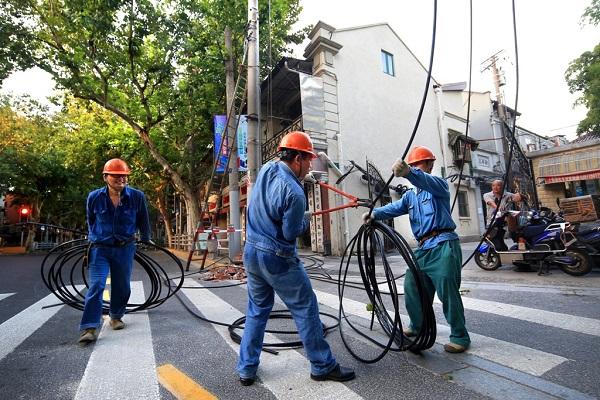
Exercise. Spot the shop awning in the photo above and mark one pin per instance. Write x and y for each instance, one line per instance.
(574, 176)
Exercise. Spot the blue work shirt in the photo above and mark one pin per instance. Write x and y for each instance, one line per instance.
(428, 207)
(107, 223)
(276, 210)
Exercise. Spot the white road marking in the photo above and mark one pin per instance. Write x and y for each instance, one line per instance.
(22, 325)
(5, 295)
(573, 323)
(122, 365)
(522, 358)
(283, 374)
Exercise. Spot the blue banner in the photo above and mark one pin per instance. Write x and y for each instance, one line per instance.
(242, 148)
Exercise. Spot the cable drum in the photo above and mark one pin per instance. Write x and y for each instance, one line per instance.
(63, 272)
(368, 244)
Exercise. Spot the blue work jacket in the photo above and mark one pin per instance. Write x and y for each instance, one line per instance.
(107, 223)
(428, 207)
(276, 210)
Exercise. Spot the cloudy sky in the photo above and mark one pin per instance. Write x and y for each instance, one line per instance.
(549, 37)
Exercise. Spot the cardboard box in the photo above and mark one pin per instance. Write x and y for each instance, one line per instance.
(581, 209)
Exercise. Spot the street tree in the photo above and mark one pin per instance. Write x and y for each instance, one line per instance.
(583, 77)
(29, 165)
(157, 65)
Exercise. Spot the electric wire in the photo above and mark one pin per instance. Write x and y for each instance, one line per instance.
(421, 108)
(370, 248)
(511, 130)
(369, 245)
(63, 271)
(464, 150)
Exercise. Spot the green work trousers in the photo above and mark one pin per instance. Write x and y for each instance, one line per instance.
(441, 267)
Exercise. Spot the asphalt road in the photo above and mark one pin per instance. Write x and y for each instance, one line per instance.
(533, 337)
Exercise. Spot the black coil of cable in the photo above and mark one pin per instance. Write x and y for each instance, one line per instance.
(63, 269)
(368, 244)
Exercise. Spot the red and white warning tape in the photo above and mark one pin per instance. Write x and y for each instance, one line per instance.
(219, 230)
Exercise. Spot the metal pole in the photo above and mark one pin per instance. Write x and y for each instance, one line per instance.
(234, 184)
(253, 96)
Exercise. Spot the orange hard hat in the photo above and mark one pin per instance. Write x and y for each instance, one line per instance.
(116, 166)
(297, 140)
(419, 153)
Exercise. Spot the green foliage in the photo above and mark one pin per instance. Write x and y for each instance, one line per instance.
(29, 164)
(156, 65)
(591, 15)
(583, 76)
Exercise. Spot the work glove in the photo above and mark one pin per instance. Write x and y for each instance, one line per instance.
(400, 168)
(310, 178)
(146, 245)
(367, 218)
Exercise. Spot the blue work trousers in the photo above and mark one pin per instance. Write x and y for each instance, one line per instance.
(441, 267)
(102, 260)
(269, 274)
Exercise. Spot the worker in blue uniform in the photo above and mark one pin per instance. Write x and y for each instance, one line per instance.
(115, 213)
(439, 255)
(276, 217)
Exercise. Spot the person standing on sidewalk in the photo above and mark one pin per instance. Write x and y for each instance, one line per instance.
(439, 255)
(114, 214)
(276, 217)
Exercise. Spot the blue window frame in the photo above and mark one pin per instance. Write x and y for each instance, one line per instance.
(387, 60)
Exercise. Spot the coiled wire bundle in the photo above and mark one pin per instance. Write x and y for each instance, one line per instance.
(368, 244)
(64, 269)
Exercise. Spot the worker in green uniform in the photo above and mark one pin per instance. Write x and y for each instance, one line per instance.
(439, 255)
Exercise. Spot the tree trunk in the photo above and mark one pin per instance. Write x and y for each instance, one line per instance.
(193, 210)
(191, 202)
(164, 212)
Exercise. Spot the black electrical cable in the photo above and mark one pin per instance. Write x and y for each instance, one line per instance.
(462, 165)
(369, 246)
(238, 324)
(421, 108)
(63, 269)
(369, 242)
(511, 130)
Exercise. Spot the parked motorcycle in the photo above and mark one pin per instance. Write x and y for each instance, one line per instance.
(588, 233)
(542, 239)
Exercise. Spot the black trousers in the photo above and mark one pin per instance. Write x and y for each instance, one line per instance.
(498, 239)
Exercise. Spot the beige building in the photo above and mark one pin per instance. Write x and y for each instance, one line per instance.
(567, 171)
(357, 93)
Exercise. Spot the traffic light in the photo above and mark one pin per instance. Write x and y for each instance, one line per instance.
(24, 213)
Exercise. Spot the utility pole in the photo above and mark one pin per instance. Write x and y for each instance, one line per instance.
(253, 140)
(234, 184)
(491, 63)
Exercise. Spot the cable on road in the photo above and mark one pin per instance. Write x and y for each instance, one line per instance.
(369, 245)
(64, 268)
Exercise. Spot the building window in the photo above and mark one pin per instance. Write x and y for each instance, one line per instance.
(387, 60)
(483, 161)
(463, 204)
(531, 147)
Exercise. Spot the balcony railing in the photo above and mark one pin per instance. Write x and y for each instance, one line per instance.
(269, 148)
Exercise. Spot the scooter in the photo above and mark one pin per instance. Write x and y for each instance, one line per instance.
(542, 239)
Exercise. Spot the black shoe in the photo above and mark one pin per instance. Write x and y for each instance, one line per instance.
(338, 374)
(246, 381)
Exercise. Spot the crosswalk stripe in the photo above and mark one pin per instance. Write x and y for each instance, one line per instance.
(5, 295)
(181, 386)
(531, 361)
(18, 328)
(282, 374)
(573, 323)
(122, 364)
